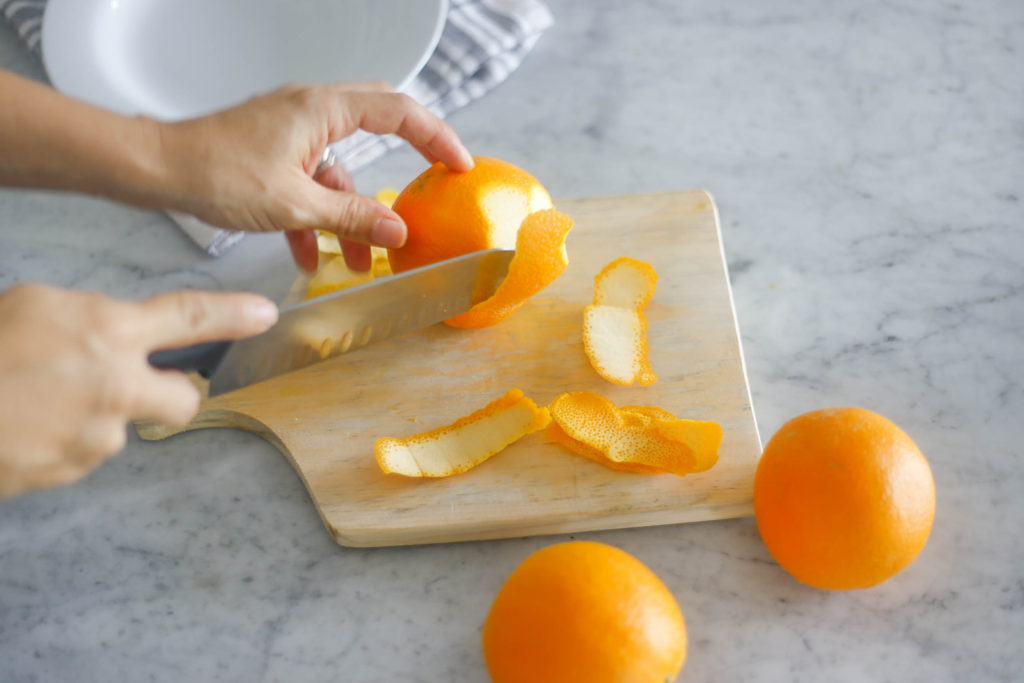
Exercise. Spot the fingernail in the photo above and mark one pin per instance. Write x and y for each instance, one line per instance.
(263, 312)
(388, 233)
(467, 159)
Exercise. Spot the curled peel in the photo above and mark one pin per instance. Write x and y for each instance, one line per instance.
(465, 443)
(614, 326)
(386, 196)
(539, 259)
(335, 275)
(633, 438)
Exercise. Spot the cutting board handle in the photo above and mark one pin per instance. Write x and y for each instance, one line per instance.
(209, 413)
(209, 418)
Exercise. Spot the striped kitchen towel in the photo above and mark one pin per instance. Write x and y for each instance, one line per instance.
(482, 43)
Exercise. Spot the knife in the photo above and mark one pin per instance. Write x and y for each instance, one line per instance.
(312, 331)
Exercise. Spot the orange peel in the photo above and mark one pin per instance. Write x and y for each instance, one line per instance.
(539, 259)
(386, 196)
(335, 274)
(327, 242)
(614, 326)
(465, 443)
(642, 439)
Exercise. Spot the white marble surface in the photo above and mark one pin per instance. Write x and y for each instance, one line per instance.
(867, 161)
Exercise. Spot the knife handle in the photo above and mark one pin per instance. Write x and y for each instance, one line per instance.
(202, 358)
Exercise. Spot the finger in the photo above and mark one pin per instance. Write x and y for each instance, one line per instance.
(345, 86)
(42, 478)
(99, 439)
(395, 113)
(359, 219)
(358, 257)
(304, 249)
(167, 397)
(337, 178)
(368, 86)
(184, 318)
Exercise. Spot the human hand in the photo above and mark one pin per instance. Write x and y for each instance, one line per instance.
(74, 370)
(251, 167)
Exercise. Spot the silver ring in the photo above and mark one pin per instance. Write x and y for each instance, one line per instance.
(327, 160)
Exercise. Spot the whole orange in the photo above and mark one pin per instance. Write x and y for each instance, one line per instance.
(843, 498)
(448, 213)
(584, 612)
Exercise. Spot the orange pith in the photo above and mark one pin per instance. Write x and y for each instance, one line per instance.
(584, 611)
(465, 443)
(636, 439)
(843, 498)
(614, 326)
(449, 214)
(539, 259)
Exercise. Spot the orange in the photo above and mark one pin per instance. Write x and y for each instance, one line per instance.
(584, 612)
(843, 498)
(448, 213)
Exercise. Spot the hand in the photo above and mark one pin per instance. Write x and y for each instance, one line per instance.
(251, 167)
(74, 369)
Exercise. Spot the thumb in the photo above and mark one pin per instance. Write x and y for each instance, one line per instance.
(359, 219)
(183, 318)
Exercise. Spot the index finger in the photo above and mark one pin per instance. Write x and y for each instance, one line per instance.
(190, 317)
(387, 113)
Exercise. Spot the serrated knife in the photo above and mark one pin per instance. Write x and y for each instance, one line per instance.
(312, 331)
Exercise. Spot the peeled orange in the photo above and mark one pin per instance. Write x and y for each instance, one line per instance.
(448, 213)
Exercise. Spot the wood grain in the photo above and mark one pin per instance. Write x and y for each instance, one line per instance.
(325, 418)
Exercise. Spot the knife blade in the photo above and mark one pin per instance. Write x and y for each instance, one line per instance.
(313, 331)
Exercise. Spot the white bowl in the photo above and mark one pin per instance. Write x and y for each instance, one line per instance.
(174, 59)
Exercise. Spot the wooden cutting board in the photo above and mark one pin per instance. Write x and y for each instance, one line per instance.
(326, 417)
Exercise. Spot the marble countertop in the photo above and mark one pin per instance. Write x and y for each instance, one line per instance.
(866, 159)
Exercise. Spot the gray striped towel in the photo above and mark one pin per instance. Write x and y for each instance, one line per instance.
(482, 43)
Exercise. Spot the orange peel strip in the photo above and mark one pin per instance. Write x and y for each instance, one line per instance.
(465, 443)
(634, 438)
(386, 196)
(651, 412)
(558, 435)
(327, 242)
(539, 259)
(614, 326)
(335, 275)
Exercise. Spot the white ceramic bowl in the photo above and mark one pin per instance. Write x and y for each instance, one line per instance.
(174, 59)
